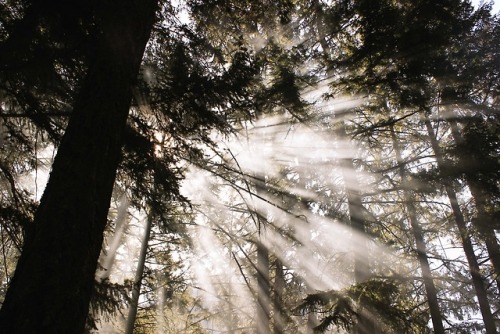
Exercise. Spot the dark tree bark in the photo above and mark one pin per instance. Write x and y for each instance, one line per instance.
(54, 278)
(486, 231)
(477, 279)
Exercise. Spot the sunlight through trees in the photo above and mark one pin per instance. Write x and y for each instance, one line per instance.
(240, 166)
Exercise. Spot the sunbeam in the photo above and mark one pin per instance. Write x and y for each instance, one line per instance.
(274, 162)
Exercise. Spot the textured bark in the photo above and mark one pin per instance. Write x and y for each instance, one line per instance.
(423, 260)
(54, 278)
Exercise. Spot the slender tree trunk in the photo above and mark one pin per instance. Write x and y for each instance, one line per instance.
(351, 184)
(354, 199)
(263, 306)
(477, 279)
(53, 282)
(263, 290)
(136, 289)
(356, 212)
(230, 319)
(312, 317)
(366, 320)
(121, 224)
(278, 288)
(486, 233)
(423, 260)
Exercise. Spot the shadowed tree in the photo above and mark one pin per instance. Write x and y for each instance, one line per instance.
(475, 272)
(54, 277)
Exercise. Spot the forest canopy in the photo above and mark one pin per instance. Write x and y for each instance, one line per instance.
(290, 166)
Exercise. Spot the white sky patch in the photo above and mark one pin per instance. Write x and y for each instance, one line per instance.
(183, 14)
(37, 179)
(495, 8)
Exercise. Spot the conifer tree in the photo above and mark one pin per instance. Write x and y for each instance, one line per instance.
(55, 272)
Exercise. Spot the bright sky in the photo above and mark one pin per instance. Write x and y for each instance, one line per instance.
(496, 5)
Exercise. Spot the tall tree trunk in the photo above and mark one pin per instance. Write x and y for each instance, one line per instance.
(121, 224)
(278, 288)
(263, 306)
(312, 317)
(351, 183)
(53, 282)
(486, 232)
(366, 321)
(423, 260)
(357, 211)
(136, 289)
(477, 279)
(263, 290)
